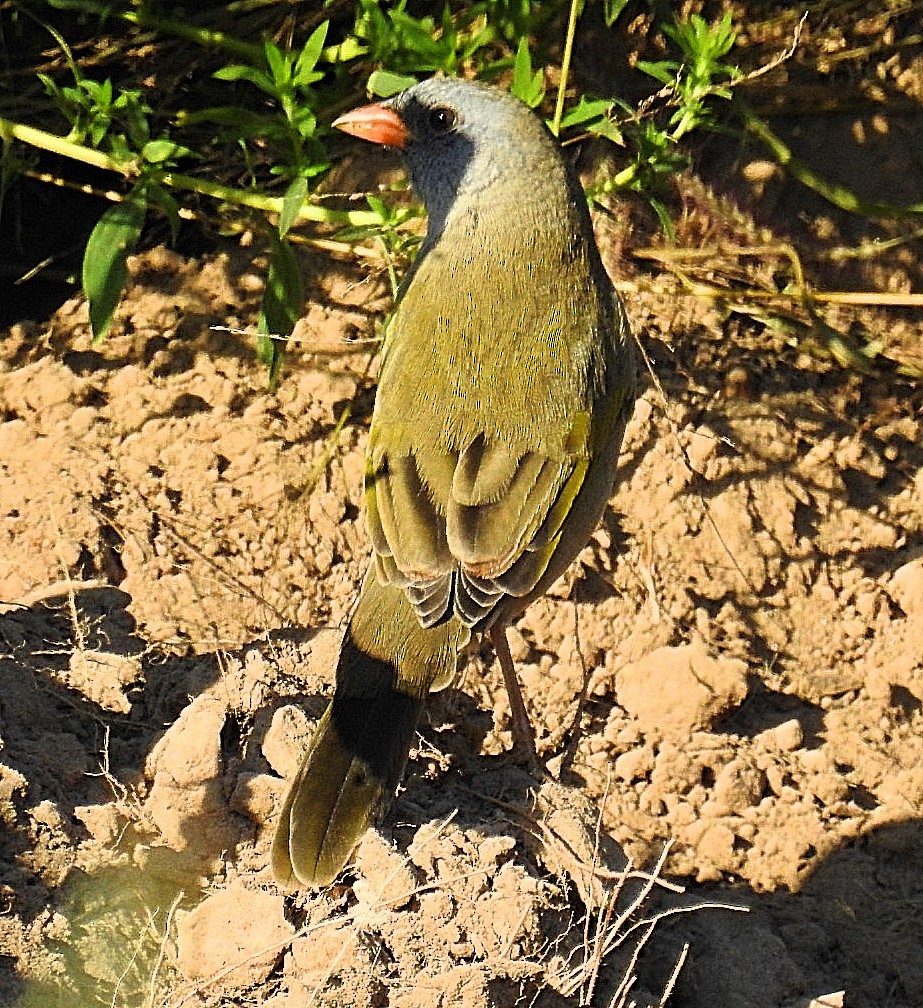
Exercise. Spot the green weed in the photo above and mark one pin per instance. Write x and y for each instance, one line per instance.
(276, 97)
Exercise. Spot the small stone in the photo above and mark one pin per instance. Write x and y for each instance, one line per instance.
(703, 443)
(102, 822)
(316, 957)
(520, 649)
(461, 985)
(103, 677)
(787, 736)
(186, 802)
(738, 786)
(190, 751)
(715, 847)
(257, 796)
(634, 764)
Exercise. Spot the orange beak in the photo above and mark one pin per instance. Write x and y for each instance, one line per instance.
(375, 123)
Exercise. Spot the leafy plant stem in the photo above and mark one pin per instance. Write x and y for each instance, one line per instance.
(203, 37)
(10, 131)
(833, 192)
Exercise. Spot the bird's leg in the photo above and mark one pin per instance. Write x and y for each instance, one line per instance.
(523, 735)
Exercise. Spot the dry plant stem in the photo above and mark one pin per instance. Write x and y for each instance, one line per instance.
(802, 294)
(330, 445)
(674, 976)
(871, 249)
(572, 16)
(345, 249)
(696, 475)
(881, 299)
(54, 590)
(132, 959)
(569, 733)
(534, 826)
(523, 735)
(80, 639)
(606, 935)
(613, 931)
(736, 298)
(162, 952)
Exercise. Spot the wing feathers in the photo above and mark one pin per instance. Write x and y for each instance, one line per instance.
(493, 537)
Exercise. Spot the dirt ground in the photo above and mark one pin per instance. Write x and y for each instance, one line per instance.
(733, 668)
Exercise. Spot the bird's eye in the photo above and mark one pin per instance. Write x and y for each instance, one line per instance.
(442, 119)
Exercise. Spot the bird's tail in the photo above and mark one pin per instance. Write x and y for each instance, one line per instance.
(388, 664)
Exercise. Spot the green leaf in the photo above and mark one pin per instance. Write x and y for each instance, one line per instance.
(292, 202)
(101, 93)
(159, 196)
(120, 150)
(528, 87)
(278, 63)
(383, 83)
(51, 87)
(239, 71)
(232, 72)
(587, 110)
(109, 245)
(101, 7)
(612, 9)
(608, 129)
(349, 49)
(663, 70)
(304, 66)
(283, 300)
(158, 151)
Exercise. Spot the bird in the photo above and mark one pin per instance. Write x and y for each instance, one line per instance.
(507, 378)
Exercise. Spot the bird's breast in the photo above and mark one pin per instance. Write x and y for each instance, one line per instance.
(495, 335)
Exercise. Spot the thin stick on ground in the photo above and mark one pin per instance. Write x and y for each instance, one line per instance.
(617, 926)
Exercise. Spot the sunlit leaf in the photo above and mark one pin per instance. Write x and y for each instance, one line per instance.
(528, 86)
(383, 83)
(158, 151)
(291, 204)
(304, 73)
(283, 300)
(104, 261)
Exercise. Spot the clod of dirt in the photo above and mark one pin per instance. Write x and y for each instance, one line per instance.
(907, 587)
(287, 739)
(675, 690)
(387, 877)
(186, 802)
(103, 677)
(235, 936)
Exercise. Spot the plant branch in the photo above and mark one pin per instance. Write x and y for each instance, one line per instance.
(10, 131)
(203, 37)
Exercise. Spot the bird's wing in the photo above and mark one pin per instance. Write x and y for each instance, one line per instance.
(462, 529)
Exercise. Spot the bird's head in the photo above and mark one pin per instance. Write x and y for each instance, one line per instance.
(460, 139)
